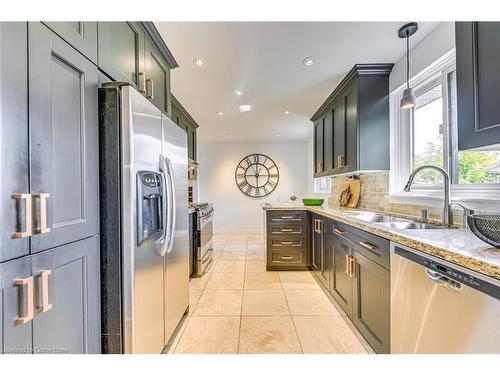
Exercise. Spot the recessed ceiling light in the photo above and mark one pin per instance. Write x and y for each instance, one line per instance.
(276, 135)
(245, 107)
(238, 92)
(308, 61)
(220, 113)
(287, 112)
(198, 62)
(229, 134)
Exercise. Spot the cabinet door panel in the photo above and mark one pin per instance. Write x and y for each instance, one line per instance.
(371, 303)
(329, 159)
(81, 35)
(341, 281)
(15, 338)
(72, 325)
(192, 144)
(14, 142)
(64, 143)
(339, 133)
(351, 126)
(318, 146)
(158, 72)
(121, 50)
(317, 244)
(478, 84)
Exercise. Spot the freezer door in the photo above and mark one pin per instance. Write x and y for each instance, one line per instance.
(143, 265)
(431, 316)
(174, 153)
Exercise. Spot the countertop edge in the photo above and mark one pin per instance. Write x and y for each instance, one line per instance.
(463, 260)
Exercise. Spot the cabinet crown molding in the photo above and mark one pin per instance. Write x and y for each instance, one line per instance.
(358, 70)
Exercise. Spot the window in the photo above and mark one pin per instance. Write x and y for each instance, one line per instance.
(323, 185)
(428, 135)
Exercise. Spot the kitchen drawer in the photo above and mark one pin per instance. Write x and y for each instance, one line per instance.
(287, 258)
(286, 216)
(282, 229)
(373, 247)
(287, 243)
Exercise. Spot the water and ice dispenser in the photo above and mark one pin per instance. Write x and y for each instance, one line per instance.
(149, 207)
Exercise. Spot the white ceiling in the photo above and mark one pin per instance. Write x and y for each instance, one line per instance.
(263, 60)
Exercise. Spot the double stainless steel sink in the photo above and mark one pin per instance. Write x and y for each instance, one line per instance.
(390, 221)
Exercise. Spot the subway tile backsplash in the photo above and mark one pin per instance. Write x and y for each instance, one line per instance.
(374, 196)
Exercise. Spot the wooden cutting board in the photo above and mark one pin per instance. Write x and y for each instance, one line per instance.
(355, 189)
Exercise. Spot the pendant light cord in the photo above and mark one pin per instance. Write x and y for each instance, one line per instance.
(407, 60)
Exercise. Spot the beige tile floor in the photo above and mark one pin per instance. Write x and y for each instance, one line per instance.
(239, 307)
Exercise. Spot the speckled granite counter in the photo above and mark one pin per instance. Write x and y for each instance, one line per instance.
(458, 246)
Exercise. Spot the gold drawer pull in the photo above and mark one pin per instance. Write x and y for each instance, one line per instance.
(286, 229)
(43, 213)
(348, 264)
(287, 242)
(142, 82)
(29, 299)
(287, 217)
(338, 231)
(44, 276)
(288, 257)
(27, 215)
(367, 245)
(152, 84)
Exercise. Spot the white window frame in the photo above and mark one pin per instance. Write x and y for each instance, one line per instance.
(475, 196)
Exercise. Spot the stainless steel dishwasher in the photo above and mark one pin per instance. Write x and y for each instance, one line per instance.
(438, 307)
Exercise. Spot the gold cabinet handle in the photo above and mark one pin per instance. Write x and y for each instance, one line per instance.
(287, 242)
(353, 266)
(43, 213)
(287, 257)
(28, 282)
(348, 264)
(287, 230)
(44, 277)
(341, 161)
(367, 245)
(152, 92)
(142, 82)
(320, 222)
(287, 217)
(27, 215)
(338, 231)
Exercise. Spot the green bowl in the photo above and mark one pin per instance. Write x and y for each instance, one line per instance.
(313, 201)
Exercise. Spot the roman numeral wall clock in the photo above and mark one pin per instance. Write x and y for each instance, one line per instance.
(257, 175)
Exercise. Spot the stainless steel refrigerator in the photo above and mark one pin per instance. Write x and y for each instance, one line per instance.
(144, 222)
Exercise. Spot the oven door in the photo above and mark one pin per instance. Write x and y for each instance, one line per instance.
(205, 230)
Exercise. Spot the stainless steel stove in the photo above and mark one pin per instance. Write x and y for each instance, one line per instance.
(203, 237)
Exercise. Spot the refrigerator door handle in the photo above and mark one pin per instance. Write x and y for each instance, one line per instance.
(172, 205)
(165, 201)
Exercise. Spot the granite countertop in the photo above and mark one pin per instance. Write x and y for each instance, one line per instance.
(191, 210)
(455, 245)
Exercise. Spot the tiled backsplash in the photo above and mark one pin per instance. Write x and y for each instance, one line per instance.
(374, 196)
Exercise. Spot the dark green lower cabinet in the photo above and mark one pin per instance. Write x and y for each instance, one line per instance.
(360, 285)
(67, 319)
(341, 286)
(371, 302)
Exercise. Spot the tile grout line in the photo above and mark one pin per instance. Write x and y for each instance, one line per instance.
(291, 316)
(242, 295)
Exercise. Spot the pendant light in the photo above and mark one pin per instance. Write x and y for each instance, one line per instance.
(408, 101)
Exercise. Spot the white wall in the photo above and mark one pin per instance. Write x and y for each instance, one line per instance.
(234, 211)
(432, 47)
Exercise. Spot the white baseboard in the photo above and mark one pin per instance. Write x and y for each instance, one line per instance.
(237, 231)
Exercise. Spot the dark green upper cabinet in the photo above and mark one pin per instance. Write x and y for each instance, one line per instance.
(181, 117)
(157, 72)
(351, 128)
(121, 52)
(478, 84)
(81, 35)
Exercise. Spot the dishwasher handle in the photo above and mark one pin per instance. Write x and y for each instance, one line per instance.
(443, 280)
